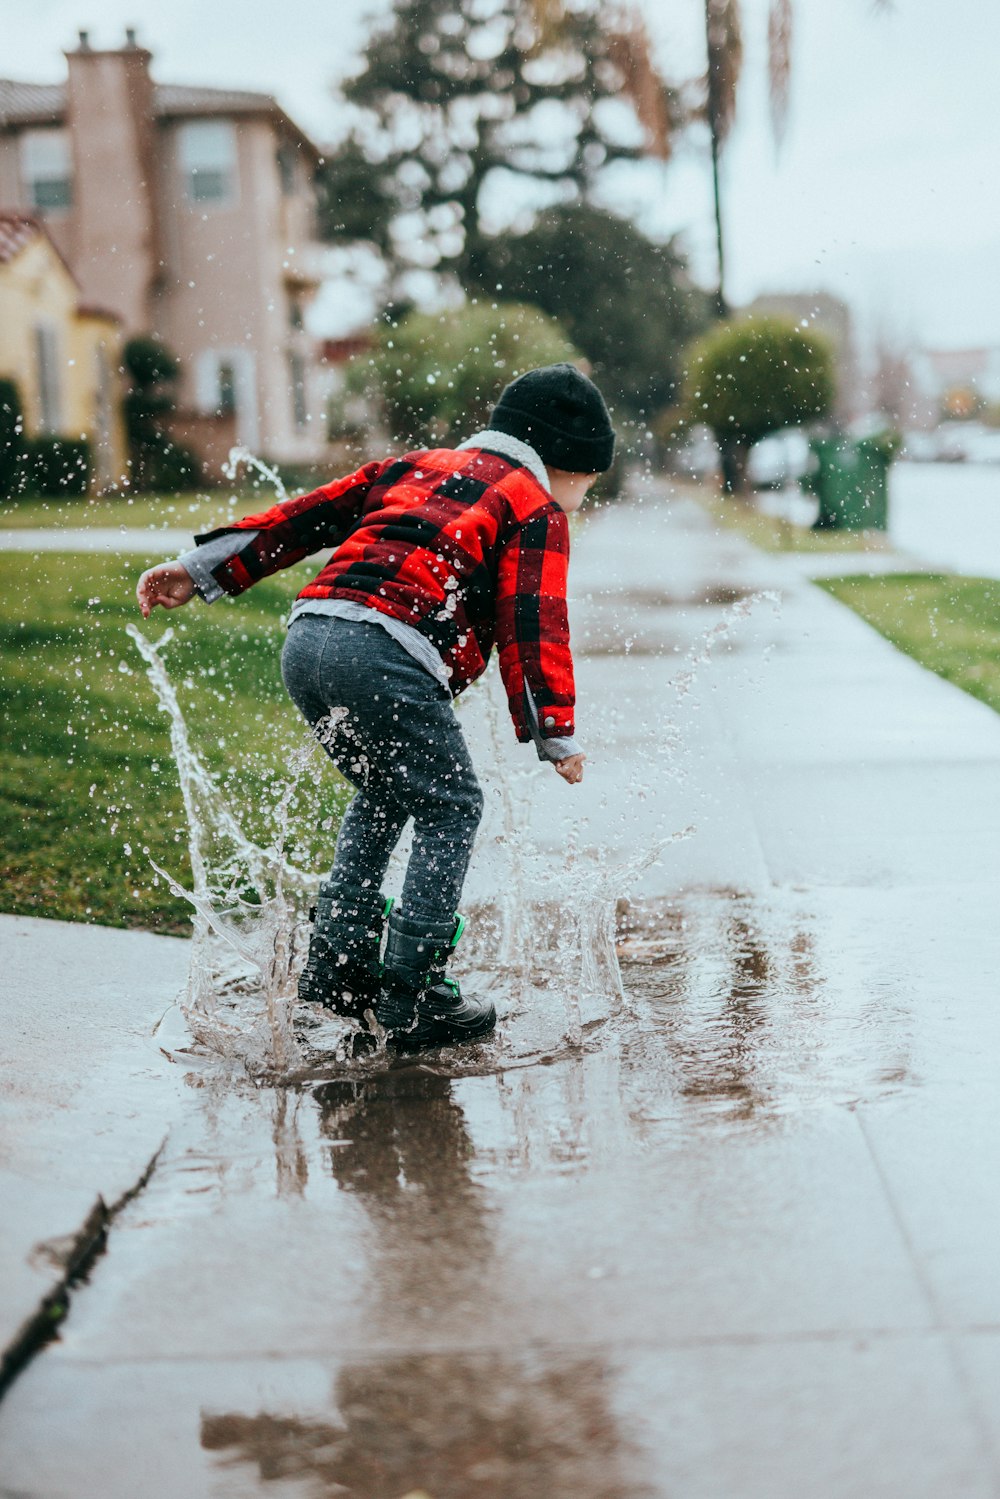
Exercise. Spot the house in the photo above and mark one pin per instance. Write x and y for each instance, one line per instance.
(957, 381)
(188, 212)
(64, 356)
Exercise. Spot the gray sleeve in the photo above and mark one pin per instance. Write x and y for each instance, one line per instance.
(202, 559)
(557, 749)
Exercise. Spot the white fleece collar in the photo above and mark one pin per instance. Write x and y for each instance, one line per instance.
(510, 447)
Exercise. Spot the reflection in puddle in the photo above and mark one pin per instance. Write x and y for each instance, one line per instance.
(759, 1008)
(445, 1426)
(401, 1144)
(441, 1423)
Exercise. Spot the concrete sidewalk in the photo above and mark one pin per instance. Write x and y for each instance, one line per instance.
(739, 1243)
(144, 543)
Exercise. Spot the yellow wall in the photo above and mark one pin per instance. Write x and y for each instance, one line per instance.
(36, 290)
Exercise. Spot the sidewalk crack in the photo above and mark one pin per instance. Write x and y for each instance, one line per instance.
(940, 1322)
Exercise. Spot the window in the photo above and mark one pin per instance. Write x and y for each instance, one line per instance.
(227, 390)
(47, 357)
(225, 385)
(297, 367)
(208, 160)
(47, 169)
(287, 159)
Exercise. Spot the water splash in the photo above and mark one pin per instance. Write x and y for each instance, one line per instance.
(248, 901)
(552, 917)
(240, 455)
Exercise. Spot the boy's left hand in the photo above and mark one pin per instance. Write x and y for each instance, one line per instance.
(169, 584)
(571, 769)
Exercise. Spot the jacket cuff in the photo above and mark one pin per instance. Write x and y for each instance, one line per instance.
(211, 554)
(197, 568)
(557, 749)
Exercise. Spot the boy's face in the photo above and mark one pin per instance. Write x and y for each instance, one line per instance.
(569, 490)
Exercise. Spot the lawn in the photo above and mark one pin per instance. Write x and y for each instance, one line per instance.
(773, 534)
(87, 781)
(949, 624)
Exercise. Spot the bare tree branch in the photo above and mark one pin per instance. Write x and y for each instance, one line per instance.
(779, 64)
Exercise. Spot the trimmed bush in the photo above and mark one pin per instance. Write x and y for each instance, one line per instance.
(156, 462)
(756, 376)
(59, 466)
(169, 467)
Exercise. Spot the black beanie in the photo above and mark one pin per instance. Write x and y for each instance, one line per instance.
(562, 415)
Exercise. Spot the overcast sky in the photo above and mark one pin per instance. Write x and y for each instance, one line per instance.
(884, 192)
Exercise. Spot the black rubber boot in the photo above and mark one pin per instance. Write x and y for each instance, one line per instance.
(418, 1007)
(342, 971)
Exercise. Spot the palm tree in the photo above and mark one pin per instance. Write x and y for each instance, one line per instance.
(724, 49)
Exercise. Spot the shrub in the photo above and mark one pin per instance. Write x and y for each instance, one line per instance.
(438, 376)
(13, 449)
(150, 362)
(59, 466)
(169, 466)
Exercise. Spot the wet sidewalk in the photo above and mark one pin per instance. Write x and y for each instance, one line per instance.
(738, 1241)
(86, 1100)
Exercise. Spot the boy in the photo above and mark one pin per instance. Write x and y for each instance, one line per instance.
(437, 556)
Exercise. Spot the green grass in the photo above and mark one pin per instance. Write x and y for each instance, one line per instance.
(87, 780)
(194, 511)
(949, 624)
(772, 534)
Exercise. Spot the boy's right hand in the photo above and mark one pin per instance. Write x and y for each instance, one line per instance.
(168, 584)
(571, 769)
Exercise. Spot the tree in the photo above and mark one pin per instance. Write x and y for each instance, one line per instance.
(624, 300)
(456, 95)
(437, 377)
(724, 65)
(753, 377)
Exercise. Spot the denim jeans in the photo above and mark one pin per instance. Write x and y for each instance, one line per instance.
(400, 744)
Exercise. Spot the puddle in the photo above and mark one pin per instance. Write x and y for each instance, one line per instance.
(712, 596)
(439, 1277)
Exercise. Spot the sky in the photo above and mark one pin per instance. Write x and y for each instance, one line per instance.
(883, 192)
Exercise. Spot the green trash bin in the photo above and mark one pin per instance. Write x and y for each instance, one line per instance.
(850, 479)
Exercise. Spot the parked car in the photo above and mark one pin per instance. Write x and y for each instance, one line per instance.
(697, 456)
(919, 447)
(983, 446)
(967, 442)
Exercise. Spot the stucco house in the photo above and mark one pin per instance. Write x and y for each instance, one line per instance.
(188, 212)
(63, 356)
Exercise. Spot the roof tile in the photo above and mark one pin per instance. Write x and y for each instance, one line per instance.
(16, 231)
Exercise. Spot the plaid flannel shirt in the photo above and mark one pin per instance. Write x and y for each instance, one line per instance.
(464, 545)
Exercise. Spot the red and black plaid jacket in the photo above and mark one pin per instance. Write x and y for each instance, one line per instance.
(465, 545)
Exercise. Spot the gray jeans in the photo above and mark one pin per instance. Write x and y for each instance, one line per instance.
(401, 745)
